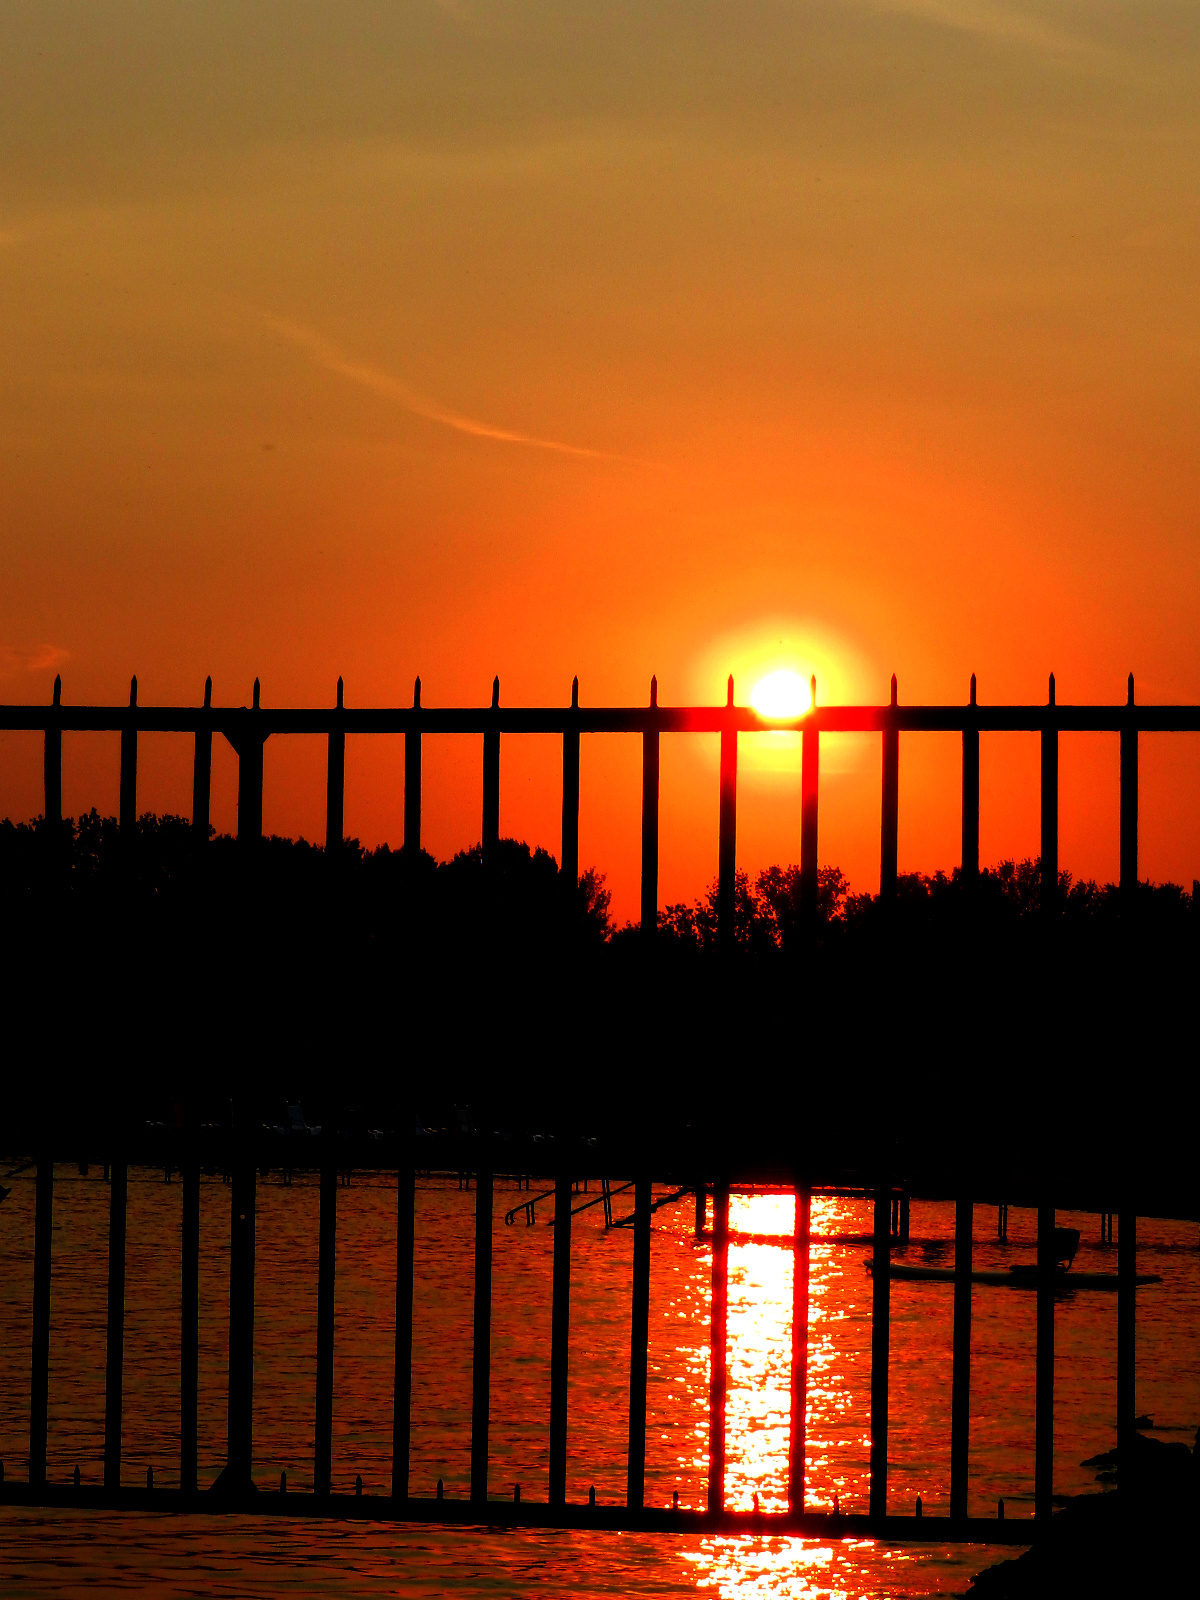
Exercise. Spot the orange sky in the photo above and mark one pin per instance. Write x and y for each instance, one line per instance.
(471, 338)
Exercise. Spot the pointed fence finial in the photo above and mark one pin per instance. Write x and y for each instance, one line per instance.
(1051, 700)
(654, 691)
(729, 691)
(417, 694)
(207, 692)
(339, 695)
(256, 707)
(495, 691)
(133, 691)
(812, 691)
(575, 693)
(57, 689)
(972, 688)
(893, 688)
(1130, 700)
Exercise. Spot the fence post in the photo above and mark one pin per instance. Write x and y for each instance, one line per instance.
(810, 775)
(1129, 801)
(881, 1283)
(1050, 805)
(52, 762)
(326, 1278)
(888, 844)
(129, 768)
(405, 1226)
(727, 842)
(649, 922)
(236, 1476)
(114, 1369)
(335, 782)
(481, 1360)
(960, 1386)
(717, 1372)
(202, 771)
(412, 778)
(250, 777)
(1043, 1471)
(491, 781)
(1126, 1345)
(570, 796)
(189, 1341)
(560, 1334)
(639, 1343)
(39, 1379)
(800, 1270)
(970, 796)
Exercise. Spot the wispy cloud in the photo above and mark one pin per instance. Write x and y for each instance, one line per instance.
(16, 661)
(327, 355)
(992, 19)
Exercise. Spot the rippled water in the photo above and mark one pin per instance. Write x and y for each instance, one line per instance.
(43, 1552)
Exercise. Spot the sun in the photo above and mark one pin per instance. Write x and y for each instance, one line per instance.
(782, 693)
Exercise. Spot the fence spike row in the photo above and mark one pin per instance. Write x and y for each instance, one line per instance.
(893, 689)
(1051, 700)
(57, 689)
(654, 691)
(208, 692)
(972, 688)
(1130, 701)
(729, 691)
(575, 692)
(339, 694)
(133, 690)
(416, 694)
(496, 692)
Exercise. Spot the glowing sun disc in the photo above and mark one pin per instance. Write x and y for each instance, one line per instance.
(781, 694)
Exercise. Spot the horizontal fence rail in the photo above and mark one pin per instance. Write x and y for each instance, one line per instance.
(247, 729)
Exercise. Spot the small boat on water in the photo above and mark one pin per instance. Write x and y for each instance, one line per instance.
(1024, 1276)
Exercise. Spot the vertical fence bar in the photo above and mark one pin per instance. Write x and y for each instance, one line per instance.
(1043, 1471)
(570, 797)
(650, 824)
(189, 1334)
(1050, 806)
(412, 778)
(1129, 801)
(240, 1431)
(326, 1278)
(202, 773)
(402, 1388)
(800, 1270)
(727, 840)
(250, 778)
(639, 1344)
(881, 1310)
(717, 1370)
(335, 784)
(129, 766)
(1126, 1345)
(970, 800)
(810, 778)
(39, 1376)
(481, 1362)
(114, 1369)
(491, 782)
(560, 1335)
(890, 824)
(52, 762)
(960, 1385)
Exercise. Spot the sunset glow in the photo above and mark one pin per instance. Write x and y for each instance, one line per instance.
(782, 693)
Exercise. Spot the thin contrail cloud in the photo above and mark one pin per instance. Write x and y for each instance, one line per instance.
(327, 355)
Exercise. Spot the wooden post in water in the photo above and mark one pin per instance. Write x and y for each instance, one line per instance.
(960, 1385)
(881, 1311)
(202, 773)
(129, 768)
(114, 1368)
(402, 1388)
(1127, 1345)
(717, 1371)
(1043, 1470)
(890, 828)
(189, 1337)
(727, 841)
(39, 1378)
(810, 777)
(481, 1364)
(1050, 806)
(491, 782)
(970, 800)
(250, 778)
(236, 1476)
(335, 783)
(412, 780)
(52, 763)
(570, 797)
(639, 1344)
(800, 1270)
(560, 1336)
(1129, 802)
(326, 1279)
(649, 912)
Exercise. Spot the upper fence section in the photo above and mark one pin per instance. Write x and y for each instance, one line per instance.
(248, 727)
